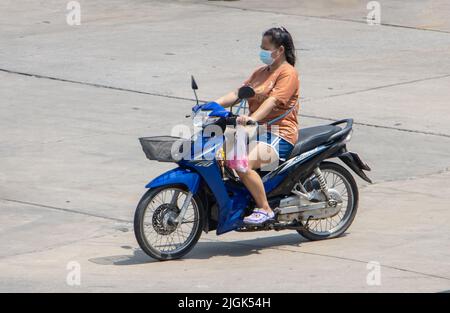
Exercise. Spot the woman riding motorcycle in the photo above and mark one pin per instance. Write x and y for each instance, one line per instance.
(275, 104)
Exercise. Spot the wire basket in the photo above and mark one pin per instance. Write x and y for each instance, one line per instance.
(164, 148)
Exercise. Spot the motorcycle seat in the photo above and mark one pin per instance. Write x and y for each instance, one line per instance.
(311, 137)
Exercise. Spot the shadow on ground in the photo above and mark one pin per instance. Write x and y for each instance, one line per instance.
(209, 249)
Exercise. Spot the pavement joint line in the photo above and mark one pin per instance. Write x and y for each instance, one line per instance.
(82, 137)
(67, 210)
(393, 180)
(332, 257)
(208, 239)
(380, 87)
(213, 240)
(73, 211)
(53, 247)
(95, 85)
(330, 18)
(414, 131)
(200, 100)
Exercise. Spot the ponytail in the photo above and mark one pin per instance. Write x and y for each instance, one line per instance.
(281, 37)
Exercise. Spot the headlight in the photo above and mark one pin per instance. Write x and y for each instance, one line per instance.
(211, 120)
(202, 119)
(199, 118)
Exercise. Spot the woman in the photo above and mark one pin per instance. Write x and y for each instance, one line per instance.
(276, 85)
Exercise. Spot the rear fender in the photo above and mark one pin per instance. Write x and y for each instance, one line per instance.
(353, 161)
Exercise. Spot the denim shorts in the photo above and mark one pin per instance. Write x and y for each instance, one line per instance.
(282, 147)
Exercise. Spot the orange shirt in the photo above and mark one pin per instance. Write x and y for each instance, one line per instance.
(282, 84)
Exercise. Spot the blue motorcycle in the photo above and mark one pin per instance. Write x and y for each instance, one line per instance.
(309, 194)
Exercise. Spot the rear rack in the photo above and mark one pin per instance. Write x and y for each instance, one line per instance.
(345, 131)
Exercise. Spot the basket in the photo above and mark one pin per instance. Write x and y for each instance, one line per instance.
(164, 148)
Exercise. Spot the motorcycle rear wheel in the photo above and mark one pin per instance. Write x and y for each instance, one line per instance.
(335, 176)
(159, 238)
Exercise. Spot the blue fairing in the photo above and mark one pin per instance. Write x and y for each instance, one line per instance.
(232, 199)
(273, 182)
(230, 210)
(177, 176)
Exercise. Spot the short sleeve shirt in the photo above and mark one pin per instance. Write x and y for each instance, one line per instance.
(282, 84)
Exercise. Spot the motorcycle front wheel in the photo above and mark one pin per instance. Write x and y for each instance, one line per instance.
(155, 227)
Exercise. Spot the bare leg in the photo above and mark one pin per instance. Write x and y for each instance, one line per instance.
(254, 184)
(259, 156)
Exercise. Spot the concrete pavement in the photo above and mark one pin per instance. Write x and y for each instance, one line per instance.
(74, 100)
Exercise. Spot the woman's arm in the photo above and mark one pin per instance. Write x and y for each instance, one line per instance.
(285, 88)
(264, 109)
(228, 100)
(260, 113)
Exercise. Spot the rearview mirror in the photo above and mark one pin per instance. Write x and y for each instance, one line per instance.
(193, 83)
(245, 92)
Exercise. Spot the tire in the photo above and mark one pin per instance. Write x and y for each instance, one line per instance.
(139, 226)
(353, 206)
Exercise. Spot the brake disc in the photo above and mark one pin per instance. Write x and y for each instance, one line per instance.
(164, 217)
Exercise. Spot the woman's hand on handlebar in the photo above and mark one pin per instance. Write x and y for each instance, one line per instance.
(246, 120)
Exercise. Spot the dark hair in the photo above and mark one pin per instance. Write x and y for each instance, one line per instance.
(281, 37)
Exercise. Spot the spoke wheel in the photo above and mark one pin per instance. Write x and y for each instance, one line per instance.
(156, 228)
(342, 182)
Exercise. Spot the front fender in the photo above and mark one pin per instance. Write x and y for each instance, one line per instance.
(178, 175)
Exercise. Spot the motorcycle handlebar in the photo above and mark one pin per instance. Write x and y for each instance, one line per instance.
(233, 121)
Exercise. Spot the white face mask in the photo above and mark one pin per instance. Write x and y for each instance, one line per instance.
(266, 56)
